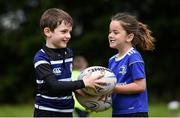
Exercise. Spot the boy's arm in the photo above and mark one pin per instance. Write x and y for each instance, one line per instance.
(44, 72)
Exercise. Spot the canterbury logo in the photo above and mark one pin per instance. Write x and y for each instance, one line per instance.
(57, 71)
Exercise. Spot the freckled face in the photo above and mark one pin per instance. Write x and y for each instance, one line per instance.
(60, 36)
(117, 35)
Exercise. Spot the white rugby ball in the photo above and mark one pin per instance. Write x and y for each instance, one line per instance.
(93, 103)
(109, 78)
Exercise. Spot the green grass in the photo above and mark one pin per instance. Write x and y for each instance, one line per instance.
(16, 110)
(155, 110)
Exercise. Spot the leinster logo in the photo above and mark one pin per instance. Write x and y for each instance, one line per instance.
(123, 69)
(57, 71)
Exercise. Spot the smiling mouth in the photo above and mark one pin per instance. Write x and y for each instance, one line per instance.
(111, 41)
(66, 41)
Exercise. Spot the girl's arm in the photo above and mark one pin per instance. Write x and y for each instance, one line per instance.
(137, 86)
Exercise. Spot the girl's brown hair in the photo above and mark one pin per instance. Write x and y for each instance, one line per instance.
(142, 35)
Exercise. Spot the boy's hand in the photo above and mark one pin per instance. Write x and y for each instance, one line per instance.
(93, 81)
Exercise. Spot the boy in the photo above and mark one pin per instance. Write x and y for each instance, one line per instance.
(53, 67)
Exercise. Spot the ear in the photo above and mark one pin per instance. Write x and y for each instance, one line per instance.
(130, 37)
(47, 32)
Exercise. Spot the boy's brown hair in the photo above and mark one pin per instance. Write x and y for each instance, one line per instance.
(53, 17)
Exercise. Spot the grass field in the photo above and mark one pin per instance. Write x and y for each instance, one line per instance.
(155, 110)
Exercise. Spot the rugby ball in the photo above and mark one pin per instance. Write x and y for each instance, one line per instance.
(109, 78)
(93, 103)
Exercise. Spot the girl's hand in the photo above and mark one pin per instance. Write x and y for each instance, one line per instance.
(80, 93)
(105, 97)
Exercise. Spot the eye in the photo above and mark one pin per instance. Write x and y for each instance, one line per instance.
(64, 31)
(116, 32)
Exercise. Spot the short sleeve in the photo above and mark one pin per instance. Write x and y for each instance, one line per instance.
(136, 65)
(137, 70)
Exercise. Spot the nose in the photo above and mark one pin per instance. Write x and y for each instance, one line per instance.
(109, 35)
(68, 35)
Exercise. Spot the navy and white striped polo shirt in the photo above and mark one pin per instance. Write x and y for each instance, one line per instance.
(53, 69)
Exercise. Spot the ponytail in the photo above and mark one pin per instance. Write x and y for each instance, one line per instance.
(144, 39)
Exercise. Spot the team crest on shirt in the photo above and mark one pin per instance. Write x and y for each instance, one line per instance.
(57, 71)
(123, 69)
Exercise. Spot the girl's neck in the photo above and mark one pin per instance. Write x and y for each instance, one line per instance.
(124, 50)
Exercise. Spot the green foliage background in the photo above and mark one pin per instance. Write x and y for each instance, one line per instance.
(18, 45)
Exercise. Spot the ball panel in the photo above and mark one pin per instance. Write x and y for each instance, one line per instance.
(108, 77)
(93, 103)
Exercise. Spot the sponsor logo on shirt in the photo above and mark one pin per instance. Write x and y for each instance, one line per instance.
(57, 71)
(131, 108)
(124, 83)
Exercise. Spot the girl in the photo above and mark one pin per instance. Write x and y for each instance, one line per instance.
(130, 94)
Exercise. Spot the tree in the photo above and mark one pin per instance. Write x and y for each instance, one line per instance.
(21, 37)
